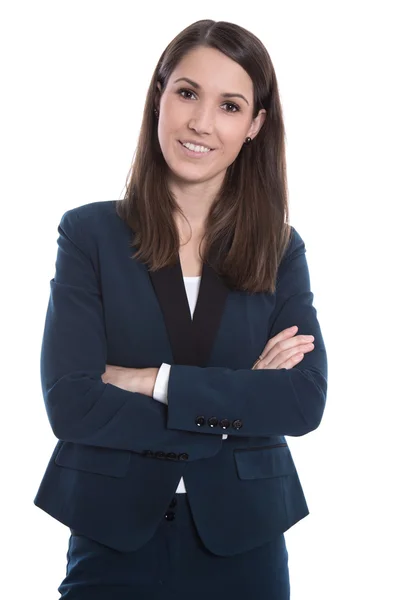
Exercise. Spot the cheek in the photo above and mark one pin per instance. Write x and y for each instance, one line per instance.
(165, 138)
(232, 141)
(232, 131)
(173, 114)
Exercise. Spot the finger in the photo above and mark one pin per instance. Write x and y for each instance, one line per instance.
(284, 356)
(283, 335)
(292, 342)
(293, 360)
(283, 352)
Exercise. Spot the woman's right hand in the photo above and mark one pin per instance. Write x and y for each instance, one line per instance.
(284, 350)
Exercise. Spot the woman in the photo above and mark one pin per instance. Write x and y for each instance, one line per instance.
(171, 468)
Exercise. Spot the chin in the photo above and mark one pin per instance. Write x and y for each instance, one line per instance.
(191, 175)
(186, 178)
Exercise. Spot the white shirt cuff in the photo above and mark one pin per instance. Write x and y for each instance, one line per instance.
(161, 385)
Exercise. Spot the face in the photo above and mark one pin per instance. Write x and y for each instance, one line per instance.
(208, 103)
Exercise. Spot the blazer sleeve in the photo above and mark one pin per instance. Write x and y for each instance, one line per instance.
(82, 408)
(263, 402)
(161, 386)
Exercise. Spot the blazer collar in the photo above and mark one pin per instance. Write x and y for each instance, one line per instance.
(191, 340)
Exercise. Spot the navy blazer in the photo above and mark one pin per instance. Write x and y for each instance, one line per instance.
(120, 455)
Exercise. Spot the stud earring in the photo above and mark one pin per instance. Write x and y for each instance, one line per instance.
(156, 112)
(247, 140)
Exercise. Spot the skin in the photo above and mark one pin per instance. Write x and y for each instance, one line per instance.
(284, 351)
(196, 110)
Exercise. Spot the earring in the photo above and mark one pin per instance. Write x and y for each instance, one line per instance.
(156, 112)
(247, 140)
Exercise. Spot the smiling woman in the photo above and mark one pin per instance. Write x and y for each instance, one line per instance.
(172, 470)
(211, 153)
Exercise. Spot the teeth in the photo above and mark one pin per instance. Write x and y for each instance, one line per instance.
(196, 148)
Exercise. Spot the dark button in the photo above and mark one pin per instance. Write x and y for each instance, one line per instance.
(225, 423)
(173, 503)
(172, 455)
(160, 454)
(147, 453)
(200, 420)
(213, 421)
(237, 424)
(183, 456)
(169, 515)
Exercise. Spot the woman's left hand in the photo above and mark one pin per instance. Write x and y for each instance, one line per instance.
(141, 381)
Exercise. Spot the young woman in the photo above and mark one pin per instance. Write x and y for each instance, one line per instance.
(172, 469)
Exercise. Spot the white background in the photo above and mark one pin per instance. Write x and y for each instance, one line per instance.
(74, 77)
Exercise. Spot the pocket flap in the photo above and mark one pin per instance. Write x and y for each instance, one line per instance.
(264, 462)
(95, 459)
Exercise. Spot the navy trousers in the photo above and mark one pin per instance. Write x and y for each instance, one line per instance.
(174, 564)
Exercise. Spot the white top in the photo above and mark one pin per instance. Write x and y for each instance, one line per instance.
(192, 286)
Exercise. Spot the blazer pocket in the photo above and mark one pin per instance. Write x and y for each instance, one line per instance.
(265, 462)
(94, 459)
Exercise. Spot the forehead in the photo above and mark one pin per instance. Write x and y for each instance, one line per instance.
(214, 71)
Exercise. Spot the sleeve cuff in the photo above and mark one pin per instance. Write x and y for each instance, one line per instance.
(161, 385)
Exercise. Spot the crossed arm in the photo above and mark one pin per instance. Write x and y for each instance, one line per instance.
(90, 402)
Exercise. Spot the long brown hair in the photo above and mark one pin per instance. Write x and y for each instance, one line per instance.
(247, 228)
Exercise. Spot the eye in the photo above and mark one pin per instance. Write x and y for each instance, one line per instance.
(185, 91)
(232, 105)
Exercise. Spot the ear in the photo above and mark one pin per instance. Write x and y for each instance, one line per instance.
(158, 95)
(257, 123)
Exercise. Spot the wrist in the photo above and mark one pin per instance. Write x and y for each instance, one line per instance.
(145, 380)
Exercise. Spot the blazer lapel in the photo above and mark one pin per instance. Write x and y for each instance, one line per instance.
(191, 340)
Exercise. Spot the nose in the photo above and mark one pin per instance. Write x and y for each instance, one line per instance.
(202, 120)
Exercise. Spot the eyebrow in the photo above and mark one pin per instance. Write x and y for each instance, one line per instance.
(198, 86)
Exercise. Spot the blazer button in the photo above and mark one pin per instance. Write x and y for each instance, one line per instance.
(169, 515)
(213, 421)
(183, 456)
(200, 421)
(172, 455)
(237, 424)
(160, 454)
(225, 423)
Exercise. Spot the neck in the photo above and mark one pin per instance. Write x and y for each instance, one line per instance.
(195, 199)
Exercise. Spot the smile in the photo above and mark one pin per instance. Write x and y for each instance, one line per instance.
(194, 150)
